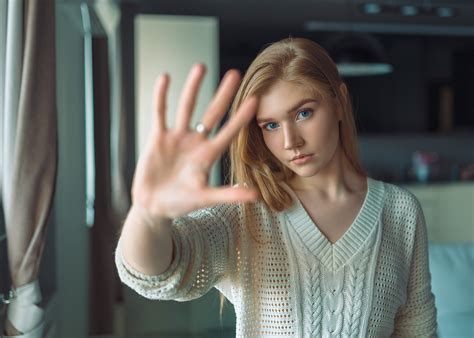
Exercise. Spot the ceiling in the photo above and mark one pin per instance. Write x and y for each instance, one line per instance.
(246, 25)
(285, 13)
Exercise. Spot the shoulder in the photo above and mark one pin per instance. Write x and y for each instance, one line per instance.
(401, 199)
(403, 213)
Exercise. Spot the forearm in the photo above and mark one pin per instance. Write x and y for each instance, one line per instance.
(147, 243)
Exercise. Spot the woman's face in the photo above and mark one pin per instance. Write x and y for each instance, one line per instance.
(293, 123)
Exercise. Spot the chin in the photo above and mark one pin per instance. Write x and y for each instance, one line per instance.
(305, 172)
(306, 175)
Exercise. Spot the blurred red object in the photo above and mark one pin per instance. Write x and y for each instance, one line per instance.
(467, 172)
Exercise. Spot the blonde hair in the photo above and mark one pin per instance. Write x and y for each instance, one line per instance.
(299, 61)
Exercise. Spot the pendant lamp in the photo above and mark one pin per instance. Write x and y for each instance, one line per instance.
(359, 54)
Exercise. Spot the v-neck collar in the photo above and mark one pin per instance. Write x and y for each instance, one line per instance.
(334, 255)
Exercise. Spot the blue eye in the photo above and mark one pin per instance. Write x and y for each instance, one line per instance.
(271, 126)
(304, 114)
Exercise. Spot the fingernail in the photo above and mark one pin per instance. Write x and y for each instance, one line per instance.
(252, 100)
(230, 72)
(199, 67)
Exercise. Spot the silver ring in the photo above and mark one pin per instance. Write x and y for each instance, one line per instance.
(201, 129)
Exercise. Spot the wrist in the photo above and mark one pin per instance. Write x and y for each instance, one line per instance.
(139, 213)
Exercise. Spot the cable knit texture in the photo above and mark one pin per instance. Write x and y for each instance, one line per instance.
(373, 282)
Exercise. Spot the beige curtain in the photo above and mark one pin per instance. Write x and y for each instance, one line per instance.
(29, 155)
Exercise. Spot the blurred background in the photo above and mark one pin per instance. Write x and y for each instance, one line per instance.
(409, 66)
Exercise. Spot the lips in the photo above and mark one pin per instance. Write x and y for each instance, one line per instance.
(302, 159)
(299, 156)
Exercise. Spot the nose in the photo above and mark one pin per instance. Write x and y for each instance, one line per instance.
(292, 137)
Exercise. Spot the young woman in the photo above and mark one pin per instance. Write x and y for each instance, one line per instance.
(303, 244)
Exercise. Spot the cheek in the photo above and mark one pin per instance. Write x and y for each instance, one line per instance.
(322, 133)
(271, 141)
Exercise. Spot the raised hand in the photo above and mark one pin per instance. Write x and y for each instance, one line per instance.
(171, 178)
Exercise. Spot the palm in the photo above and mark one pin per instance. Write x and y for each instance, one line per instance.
(171, 178)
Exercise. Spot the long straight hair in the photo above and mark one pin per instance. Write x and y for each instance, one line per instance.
(300, 61)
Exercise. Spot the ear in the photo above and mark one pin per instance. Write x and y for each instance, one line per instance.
(343, 89)
(344, 95)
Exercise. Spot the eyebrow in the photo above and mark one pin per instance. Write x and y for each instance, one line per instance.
(296, 106)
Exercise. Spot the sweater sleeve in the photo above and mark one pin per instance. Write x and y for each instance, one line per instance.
(417, 317)
(203, 250)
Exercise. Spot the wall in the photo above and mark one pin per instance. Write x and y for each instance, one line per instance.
(173, 44)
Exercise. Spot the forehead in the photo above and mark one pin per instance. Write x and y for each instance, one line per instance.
(282, 96)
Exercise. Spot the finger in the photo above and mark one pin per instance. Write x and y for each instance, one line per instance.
(221, 101)
(229, 195)
(159, 102)
(242, 117)
(188, 96)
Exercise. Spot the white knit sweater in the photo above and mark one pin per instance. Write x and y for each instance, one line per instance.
(373, 282)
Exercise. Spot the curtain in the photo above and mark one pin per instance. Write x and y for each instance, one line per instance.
(29, 153)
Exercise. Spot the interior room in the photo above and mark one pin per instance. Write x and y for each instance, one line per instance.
(77, 93)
